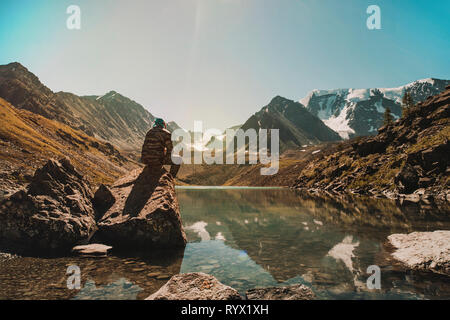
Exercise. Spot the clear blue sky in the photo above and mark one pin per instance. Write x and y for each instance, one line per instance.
(222, 60)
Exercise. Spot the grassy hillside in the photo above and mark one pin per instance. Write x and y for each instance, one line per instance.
(111, 117)
(28, 140)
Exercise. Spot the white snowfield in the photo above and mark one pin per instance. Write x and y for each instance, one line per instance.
(337, 115)
(339, 123)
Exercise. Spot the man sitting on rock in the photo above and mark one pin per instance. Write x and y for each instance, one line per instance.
(157, 148)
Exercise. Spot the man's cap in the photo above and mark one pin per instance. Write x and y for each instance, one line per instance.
(159, 123)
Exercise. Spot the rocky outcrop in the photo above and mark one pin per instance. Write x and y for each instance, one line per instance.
(141, 211)
(294, 292)
(195, 286)
(370, 146)
(407, 179)
(54, 214)
(423, 250)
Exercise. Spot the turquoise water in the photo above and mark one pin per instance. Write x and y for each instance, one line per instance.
(254, 237)
(251, 238)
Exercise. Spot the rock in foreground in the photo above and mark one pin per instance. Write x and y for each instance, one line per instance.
(54, 214)
(423, 250)
(294, 292)
(142, 212)
(194, 286)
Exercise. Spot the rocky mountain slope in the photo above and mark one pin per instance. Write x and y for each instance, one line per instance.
(359, 112)
(111, 117)
(297, 125)
(27, 140)
(408, 157)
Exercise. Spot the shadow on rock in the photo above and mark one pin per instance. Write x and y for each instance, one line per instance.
(140, 211)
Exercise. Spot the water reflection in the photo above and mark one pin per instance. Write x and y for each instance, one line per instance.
(275, 237)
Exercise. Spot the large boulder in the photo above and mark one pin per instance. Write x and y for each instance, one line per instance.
(54, 214)
(364, 147)
(144, 214)
(407, 179)
(294, 292)
(195, 286)
(423, 250)
(436, 156)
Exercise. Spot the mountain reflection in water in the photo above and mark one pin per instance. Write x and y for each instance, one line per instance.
(262, 237)
(251, 238)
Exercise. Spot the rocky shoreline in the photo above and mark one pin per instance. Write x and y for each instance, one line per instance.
(419, 196)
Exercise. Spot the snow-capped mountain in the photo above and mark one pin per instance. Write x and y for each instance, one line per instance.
(359, 112)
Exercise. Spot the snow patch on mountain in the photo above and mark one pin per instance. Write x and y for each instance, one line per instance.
(340, 124)
(379, 106)
(355, 95)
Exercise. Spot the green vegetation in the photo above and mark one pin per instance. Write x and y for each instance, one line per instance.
(388, 118)
(407, 104)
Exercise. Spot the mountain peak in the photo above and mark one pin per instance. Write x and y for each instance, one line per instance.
(17, 70)
(280, 99)
(109, 94)
(15, 65)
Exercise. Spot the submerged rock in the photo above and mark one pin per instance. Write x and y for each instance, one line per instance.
(54, 214)
(195, 286)
(144, 214)
(423, 250)
(93, 249)
(294, 292)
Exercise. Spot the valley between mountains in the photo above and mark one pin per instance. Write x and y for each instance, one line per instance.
(330, 140)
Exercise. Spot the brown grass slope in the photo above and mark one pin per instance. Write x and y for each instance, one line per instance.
(28, 140)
